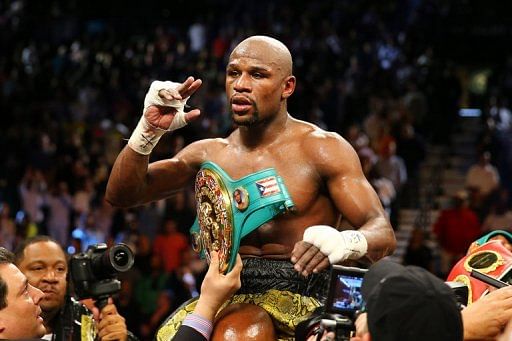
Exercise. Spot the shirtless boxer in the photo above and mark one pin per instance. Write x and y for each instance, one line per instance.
(320, 169)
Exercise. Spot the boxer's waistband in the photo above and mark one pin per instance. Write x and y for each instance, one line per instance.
(262, 274)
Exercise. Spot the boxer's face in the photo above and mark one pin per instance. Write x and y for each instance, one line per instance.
(257, 83)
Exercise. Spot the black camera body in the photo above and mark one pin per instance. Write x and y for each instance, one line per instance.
(344, 302)
(94, 272)
(461, 292)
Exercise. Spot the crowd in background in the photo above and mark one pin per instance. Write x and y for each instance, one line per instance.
(73, 79)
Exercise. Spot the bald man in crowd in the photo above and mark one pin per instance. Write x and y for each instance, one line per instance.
(285, 257)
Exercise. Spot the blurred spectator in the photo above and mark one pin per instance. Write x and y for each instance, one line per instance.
(103, 214)
(500, 215)
(89, 233)
(150, 218)
(33, 190)
(356, 137)
(418, 252)
(383, 186)
(60, 207)
(456, 228)
(182, 211)
(148, 291)
(392, 167)
(170, 245)
(83, 197)
(7, 227)
(500, 114)
(483, 177)
(185, 281)
(411, 148)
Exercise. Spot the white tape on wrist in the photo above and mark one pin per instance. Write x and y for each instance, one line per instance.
(145, 136)
(337, 246)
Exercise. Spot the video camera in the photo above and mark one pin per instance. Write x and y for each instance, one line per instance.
(94, 272)
(344, 302)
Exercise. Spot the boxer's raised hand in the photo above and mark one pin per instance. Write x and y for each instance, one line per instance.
(164, 110)
(165, 101)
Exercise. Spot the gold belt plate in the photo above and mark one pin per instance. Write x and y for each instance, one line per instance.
(215, 217)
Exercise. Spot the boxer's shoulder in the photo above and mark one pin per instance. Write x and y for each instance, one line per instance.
(315, 142)
(205, 146)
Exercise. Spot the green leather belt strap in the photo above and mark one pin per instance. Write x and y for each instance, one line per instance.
(228, 210)
(484, 239)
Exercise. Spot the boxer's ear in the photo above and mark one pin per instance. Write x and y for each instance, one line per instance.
(288, 87)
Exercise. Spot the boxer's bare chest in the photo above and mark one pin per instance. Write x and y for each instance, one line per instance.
(303, 182)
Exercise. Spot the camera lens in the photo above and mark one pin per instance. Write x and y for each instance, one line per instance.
(121, 258)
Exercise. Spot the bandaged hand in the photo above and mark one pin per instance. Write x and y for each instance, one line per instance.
(164, 106)
(323, 245)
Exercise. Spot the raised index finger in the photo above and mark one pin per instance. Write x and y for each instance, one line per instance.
(189, 87)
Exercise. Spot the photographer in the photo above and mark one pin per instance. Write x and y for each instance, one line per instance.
(407, 303)
(410, 303)
(45, 264)
(19, 302)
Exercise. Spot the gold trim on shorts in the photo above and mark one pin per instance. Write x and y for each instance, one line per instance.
(286, 309)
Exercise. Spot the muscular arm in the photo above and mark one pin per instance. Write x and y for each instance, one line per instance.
(352, 194)
(134, 182)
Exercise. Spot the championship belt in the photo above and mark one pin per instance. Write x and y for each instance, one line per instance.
(487, 256)
(228, 210)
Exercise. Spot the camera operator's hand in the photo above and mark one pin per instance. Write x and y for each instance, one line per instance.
(217, 287)
(486, 318)
(361, 324)
(111, 325)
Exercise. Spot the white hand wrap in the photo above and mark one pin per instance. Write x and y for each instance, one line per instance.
(336, 245)
(145, 136)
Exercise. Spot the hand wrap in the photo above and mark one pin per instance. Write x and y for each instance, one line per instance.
(145, 136)
(337, 246)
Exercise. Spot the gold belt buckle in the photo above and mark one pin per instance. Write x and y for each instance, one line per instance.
(215, 217)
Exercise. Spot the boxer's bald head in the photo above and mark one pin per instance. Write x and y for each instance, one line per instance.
(243, 321)
(259, 80)
(266, 48)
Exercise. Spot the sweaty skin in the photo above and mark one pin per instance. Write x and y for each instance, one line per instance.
(320, 169)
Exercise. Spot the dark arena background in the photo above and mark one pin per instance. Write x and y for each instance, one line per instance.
(420, 88)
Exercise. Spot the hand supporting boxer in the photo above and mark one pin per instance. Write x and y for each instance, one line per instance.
(323, 245)
(164, 106)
